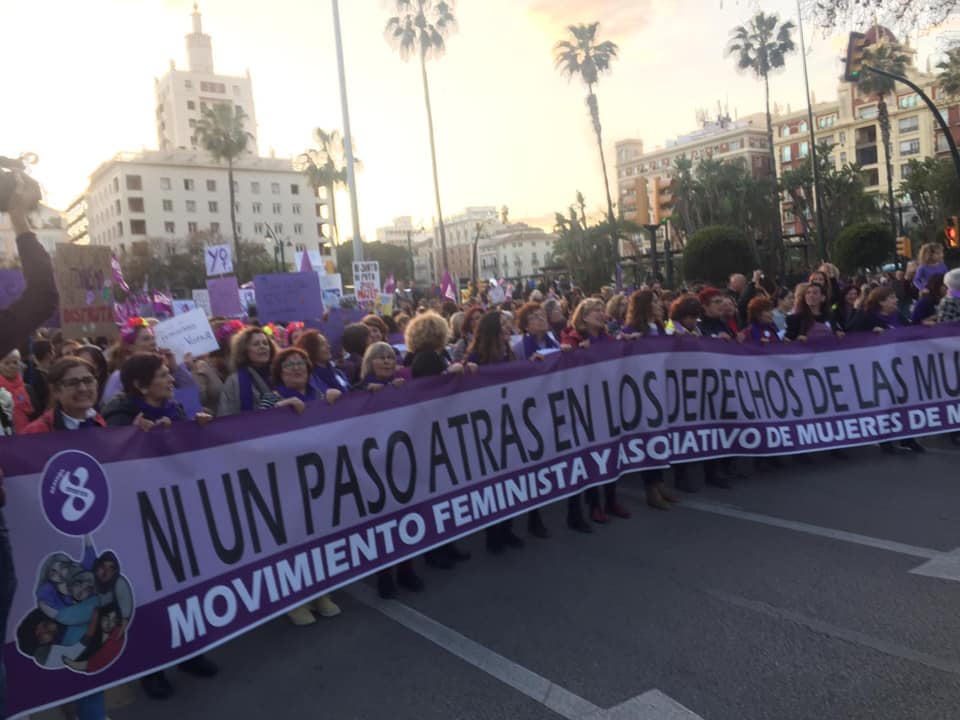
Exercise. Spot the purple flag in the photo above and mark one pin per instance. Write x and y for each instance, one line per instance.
(390, 286)
(305, 264)
(447, 290)
(118, 274)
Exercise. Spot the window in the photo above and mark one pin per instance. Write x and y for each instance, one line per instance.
(908, 101)
(257, 208)
(213, 207)
(294, 189)
(905, 171)
(278, 228)
(275, 188)
(212, 185)
(116, 207)
(909, 147)
(255, 188)
(867, 112)
(826, 121)
(843, 137)
(135, 204)
(165, 184)
(168, 227)
(870, 177)
(138, 227)
(188, 184)
(213, 87)
(188, 84)
(192, 123)
(804, 149)
(203, 106)
(786, 154)
(843, 158)
(296, 208)
(803, 126)
(258, 229)
(116, 185)
(909, 124)
(277, 208)
(236, 89)
(191, 105)
(168, 205)
(785, 131)
(214, 228)
(191, 205)
(827, 140)
(942, 144)
(134, 182)
(297, 229)
(191, 227)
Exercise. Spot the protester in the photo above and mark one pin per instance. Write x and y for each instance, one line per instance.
(685, 314)
(809, 320)
(536, 336)
(41, 357)
(470, 320)
(644, 315)
(379, 367)
(879, 313)
(760, 326)
(616, 313)
(949, 308)
(925, 309)
(326, 377)
(929, 263)
(714, 321)
(555, 316)
(846, 309)
(355, 338)
(378, 328)
(248, 388)
(11, 380)
(784, 306)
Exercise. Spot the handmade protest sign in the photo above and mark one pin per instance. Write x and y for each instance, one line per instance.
(224, 296)
(366, 282)
(184, 306)
(218, 259)
(332, 286)
(186, 333)
(248, 299)
(85, 281)
(202, 299)
(286, 297)
(342, 491)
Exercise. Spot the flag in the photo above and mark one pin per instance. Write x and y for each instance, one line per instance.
(447, 290)
(390, 286)
(118, 274)
(305, 264)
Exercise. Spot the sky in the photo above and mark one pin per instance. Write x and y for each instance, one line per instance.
(509, 129)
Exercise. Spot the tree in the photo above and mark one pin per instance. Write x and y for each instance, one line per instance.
(586, 58)
(949, 77)
(864, 245)
(220, 130)
(715, 252)
(392, 258)
(325, 167)
(761, 47)
(931, 186)
(907, 15)
(887, 56)
(421, 27)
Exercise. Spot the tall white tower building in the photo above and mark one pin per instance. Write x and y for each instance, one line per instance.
(181, 95)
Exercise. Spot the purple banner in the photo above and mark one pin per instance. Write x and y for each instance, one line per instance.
(224, 296)
(171, 542)
(288, 297)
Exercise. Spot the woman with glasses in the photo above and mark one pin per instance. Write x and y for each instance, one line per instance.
(379, 367)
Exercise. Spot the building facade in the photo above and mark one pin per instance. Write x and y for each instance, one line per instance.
(461, 230)
(515, 252)
(402, 233)
(48, 224)
(182, 95)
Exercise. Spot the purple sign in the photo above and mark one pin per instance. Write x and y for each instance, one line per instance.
(288, 297)
(397, 475)
(224, 296)
(12, 286)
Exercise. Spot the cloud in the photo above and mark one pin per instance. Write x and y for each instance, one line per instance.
(617, 18)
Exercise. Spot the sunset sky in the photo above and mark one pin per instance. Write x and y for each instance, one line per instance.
(510, 131)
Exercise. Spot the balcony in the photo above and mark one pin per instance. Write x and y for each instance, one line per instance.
(867, 155)
(866, 136)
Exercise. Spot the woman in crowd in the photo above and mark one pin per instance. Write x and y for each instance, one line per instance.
(929, 263)
(820, 277)
(616, 313)
(783, 299)
(147, 402)
(555, 317)
(377, 327)
(846, 309)
(760, 326)
(354, 341)
(326, 377)
(290, 378)
(925, 309)
(136, 335)
(536, 334)
(685, 314)
(879, 313)
(11, 380)
(949, 308)
(248, 388)
(94, 355)
(293, 332)
(460, 348)
(456, 326)
(427, 356)
(379, 367)
(809, 320)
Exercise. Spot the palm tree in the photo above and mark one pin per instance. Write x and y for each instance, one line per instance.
(890, 57)
(325, 167)
(585, 58)
(949, 68)
(220, 130)
(421, 27)
(761, 47)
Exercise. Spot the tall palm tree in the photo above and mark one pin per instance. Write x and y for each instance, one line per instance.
(761, 46)
(585, 58)
(421, 27)
(949, 77)
(220, 131)
(889, 56)
(325, 167)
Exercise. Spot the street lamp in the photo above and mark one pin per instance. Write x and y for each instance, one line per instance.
(279, 256)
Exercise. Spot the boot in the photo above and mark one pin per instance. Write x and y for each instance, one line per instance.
(200, 666)
(598, 515)
(408, 579)
(439, 559)
(575, 519)
(618, 510)
(156, 686)
(913, 446)
(385, 585)
(494, 540)
(455, 553)
(325, 607)
(509, 538)
(301, 616)
(666, 494)
(535, 525)
(654, 500)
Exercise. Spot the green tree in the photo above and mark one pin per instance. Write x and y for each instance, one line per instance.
(421, 27)
(392, 259)
(761, 46)
(715, 252)
(325, 167)
(888, 56)
(949, 77)
(864, 245)
(931, 186)
(221, 132)
(587, 253)
(586, 59)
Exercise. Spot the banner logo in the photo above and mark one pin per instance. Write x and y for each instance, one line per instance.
(74, 493)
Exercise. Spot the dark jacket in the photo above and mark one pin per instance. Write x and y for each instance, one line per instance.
(428, 363)
(39, 298)
(798, 325)
(714, 327)
(121, 411)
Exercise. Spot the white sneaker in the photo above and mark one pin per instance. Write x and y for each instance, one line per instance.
(325, 607)
(301, 616)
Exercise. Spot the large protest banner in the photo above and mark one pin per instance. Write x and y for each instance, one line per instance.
(174, 541)
(84, 277)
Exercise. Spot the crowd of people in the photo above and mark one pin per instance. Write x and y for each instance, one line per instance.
(51, 383)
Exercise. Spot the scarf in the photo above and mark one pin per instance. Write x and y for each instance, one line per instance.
(22, 407)
(309, 396)
(889, 322)
(954, 294)
(531, 345)
(169, 409)
(325, 378)
(759, 333)
(371, 378)
(246, 380)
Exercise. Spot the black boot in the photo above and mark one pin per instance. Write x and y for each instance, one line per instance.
(156, 686)
(509, 538)
(439, 559)
(712, 476)
(385, 585)
(575, 519)
(494, 540)
(913, 446)
(200, 666)
(408, 579)
(535, 525)
(455, 553)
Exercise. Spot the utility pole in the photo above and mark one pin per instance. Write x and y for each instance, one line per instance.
(347, 142)
(814, 160)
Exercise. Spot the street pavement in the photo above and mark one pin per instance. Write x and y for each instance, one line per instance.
(787, 597)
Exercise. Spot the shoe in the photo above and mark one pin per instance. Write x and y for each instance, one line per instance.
(439, 560)
(655, 500)
(200, 666)
(301, 616)
(512, 541)
(386, 588)
(839, 454)
(618, 510)
(598, 515)
(718, 481)
(409, 580)
(325, 607)
(536, 527)
(456, 554)
(156, 686)
(578, 524)
(667, 494)
(913, 446)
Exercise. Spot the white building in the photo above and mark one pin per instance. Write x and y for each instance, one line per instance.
(461, 231)
(172, 195)
(516, 251)
(47, 223)
(181, 95)
(402, 233)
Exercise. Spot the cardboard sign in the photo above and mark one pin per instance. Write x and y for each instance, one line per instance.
(286, 297)
(202, 299)
(85, 282)
(224, 296)
(184, 306)
(366, 282)
(218, 259)
(332, 287)
(248, 298)
(187, 333)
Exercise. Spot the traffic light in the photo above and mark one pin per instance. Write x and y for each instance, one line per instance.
(855, 49)
(953, 227)
(903, 247)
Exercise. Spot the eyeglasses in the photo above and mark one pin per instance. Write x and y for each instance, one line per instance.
(293, 365)
(74, 383)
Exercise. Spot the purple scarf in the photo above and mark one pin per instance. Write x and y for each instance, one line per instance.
(759, 333)
(954, 294)
(170, 410)
(888, 321)
(372, 378)
(245, 379)
(309, 396)
(327, 378)
(531, 345)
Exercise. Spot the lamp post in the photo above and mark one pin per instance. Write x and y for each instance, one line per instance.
(279, 257)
